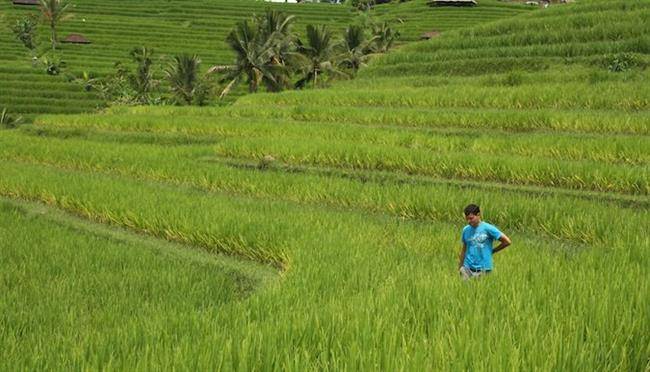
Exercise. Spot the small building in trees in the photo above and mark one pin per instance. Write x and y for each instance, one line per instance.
(75, 39)
(452, 3)
(26, 2)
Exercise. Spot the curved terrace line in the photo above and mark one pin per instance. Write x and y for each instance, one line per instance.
(255, 272)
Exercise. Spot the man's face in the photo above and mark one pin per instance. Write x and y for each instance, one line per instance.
(473, 219)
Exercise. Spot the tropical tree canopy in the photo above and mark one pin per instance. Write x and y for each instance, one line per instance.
(383, 37)
(320, 53)
(354, 47)
(256, 60)
(142, 81)
(268, 54)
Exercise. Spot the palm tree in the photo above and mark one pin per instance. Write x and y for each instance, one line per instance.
(254, 60)
(183, 76)
(276, 27)
(319, 52)
(54, 12)
(354, 48)
(142, 81)
(383, 37)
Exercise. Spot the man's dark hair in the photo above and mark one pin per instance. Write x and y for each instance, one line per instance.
(472, 209)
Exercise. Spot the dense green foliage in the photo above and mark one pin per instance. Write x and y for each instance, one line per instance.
(354, 196)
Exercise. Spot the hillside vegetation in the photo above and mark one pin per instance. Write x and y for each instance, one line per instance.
(353, 197)
(174, 27)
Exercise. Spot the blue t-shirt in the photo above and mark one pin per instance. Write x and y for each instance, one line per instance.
(479, 245)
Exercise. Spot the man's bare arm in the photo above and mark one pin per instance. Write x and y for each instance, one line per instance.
(505, 241)
(461, 256)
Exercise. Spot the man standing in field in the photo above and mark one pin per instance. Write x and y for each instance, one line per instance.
(475, 257)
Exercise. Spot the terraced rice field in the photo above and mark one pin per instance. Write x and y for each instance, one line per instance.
(174, 27)
(116, 27)
(319, 230)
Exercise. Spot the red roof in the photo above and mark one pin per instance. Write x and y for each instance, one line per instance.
(75, 39)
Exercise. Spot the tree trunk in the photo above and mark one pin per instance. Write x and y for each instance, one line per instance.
(53, 28)
(53, 20)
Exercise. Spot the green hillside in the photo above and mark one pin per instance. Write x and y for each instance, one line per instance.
(116, 27)
(320, 229)
(173, 27)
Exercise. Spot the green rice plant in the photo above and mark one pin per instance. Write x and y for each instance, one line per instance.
(405, 196)
(608, 149)
(582, 121)
(453, 165)
(630, 96)
(392, 282)
(152, 237)
(154, 277)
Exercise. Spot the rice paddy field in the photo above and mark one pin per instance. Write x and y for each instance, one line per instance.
(320, 229)
(172, 27)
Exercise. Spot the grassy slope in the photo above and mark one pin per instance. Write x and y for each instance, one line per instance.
(361, 210)
(115, 27)
(76, 280)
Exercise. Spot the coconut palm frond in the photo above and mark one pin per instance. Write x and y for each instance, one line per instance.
(230, 86)
(183, 76)
(219, 69)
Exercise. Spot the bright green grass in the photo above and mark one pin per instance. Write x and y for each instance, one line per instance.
(127, 281)
(507, 161)
(373, 291)
(400, 195)
(360, 212)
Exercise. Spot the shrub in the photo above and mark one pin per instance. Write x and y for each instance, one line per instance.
(362, 5)
(53, 64)
(185, 82)
(620, 62)
(25, 31)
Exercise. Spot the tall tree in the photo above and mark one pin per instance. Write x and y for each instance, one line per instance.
(9, 121)
(275, 27)
(54, 12)
(142, 81)
(255, 60)
(319, 51)
(383, 37)
(183, 77)
(354, 47)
